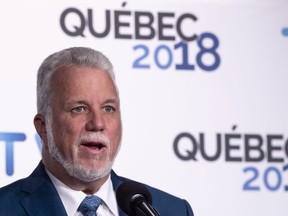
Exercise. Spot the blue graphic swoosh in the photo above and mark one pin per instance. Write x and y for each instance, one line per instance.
(285, 32)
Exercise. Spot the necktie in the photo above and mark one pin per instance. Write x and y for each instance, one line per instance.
(89, 205)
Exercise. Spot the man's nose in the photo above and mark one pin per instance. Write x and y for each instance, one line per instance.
(95, 122)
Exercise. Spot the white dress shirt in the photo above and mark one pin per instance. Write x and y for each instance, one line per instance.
(71, 198)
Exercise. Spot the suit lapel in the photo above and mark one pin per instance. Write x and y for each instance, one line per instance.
(117, 181)
(34, 187)
(39, 183)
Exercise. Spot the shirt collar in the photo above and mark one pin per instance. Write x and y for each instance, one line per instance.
(71, 198)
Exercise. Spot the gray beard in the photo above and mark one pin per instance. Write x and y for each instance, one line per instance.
(75, 168)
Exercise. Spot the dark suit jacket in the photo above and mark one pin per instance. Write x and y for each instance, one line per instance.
(36, 195)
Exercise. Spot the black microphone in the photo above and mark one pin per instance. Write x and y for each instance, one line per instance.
(135, 199)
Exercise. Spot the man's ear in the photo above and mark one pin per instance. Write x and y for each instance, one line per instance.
(40, 126)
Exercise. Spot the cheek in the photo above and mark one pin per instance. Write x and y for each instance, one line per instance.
(66, 143)
(116, 140)
(65, 135)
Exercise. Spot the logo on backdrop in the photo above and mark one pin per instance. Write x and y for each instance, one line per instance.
(180, 47)
(10, 139)
(234, 147)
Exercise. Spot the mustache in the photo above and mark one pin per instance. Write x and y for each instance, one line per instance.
(94, 137)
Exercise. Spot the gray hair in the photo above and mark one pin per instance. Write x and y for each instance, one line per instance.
(81, 56)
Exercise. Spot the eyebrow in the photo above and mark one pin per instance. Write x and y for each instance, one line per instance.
(111, 100)
(73, 102)
(77, 102)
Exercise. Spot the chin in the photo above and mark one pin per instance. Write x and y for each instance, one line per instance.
(85, 173)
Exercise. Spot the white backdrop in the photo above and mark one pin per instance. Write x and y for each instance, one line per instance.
(231, 107)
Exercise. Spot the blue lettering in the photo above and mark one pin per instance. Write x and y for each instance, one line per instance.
(9, 139)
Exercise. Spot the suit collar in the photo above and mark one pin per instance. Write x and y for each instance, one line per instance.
(39, 183)
(41, 195)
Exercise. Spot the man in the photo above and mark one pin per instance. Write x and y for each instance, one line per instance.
(79, 122)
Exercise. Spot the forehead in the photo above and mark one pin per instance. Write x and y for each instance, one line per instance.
(78, 78)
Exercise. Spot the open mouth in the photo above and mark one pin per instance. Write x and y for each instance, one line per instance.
(94, 145)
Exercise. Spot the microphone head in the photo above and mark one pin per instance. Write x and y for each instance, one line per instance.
(130, 191)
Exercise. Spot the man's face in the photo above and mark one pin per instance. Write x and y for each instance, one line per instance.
(84, 129)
